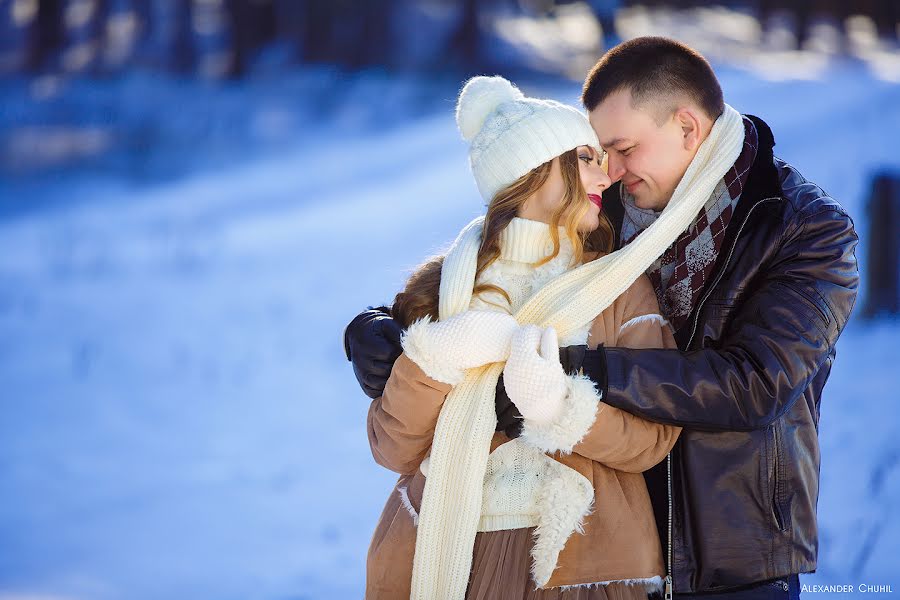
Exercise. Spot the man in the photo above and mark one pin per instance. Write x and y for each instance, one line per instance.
(757, 291)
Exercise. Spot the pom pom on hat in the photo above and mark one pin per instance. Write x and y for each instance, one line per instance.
(510, 134)
(479, 97)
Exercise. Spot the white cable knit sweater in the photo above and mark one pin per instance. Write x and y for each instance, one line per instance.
(517, 472)
(523, 487)
(522, 244)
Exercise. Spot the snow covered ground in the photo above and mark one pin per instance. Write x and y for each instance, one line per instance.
(179, 420)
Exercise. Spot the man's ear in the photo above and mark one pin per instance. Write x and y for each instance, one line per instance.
(691, 124)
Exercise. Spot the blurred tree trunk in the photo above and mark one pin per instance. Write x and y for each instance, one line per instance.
(605, 13)
(318, 24)
(253, 24)
(48, 33)
(372, 45)
(883, 277)
(801, 10)
(347, 33)
(169, 45)
(886, 14)
(465, 45)
(290, 24)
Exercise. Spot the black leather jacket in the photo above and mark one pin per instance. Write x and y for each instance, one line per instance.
(736, 500)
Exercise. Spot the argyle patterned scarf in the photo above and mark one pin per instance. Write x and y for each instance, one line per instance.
(681, 273)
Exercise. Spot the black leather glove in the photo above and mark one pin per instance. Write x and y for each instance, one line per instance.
(572, 357)
(593, 365)
(372, 344)
(509, 419)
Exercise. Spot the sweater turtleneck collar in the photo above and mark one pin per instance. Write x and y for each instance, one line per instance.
(529, 241)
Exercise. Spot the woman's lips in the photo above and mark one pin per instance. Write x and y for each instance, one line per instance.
(596, 199)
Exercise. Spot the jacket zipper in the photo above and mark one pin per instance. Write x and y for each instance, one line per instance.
(669, 585)
(776, 506)
(669, 590)
(722, 270)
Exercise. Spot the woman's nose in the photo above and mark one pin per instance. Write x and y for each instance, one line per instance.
(602, 181)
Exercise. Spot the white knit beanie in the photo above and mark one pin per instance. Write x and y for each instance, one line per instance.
(510, 134)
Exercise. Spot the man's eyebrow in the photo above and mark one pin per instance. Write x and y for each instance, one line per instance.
(613, 142)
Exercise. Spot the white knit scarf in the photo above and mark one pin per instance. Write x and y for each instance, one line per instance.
(451, 502)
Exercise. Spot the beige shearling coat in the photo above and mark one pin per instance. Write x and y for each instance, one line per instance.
(619, 540)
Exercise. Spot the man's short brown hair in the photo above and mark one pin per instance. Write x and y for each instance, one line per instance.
(655, 69)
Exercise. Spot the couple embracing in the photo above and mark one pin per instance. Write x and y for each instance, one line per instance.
(609, 386)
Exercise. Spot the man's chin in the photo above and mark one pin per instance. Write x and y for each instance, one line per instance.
(645, 200)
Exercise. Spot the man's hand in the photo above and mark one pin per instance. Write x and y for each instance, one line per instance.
(509, 419)
(372, 344)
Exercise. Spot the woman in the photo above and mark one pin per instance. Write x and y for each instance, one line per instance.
(539, 166)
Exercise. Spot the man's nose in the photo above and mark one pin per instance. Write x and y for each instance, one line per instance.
(616, 167)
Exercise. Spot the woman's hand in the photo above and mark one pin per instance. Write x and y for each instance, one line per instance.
(509, 417)
(446, 349)
(533, 376)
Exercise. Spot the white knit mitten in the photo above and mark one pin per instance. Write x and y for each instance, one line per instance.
(445, 349)
(533, 376)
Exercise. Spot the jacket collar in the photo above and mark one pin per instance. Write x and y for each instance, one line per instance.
(762, 183)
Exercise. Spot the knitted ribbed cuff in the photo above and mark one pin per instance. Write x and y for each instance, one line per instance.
(576, 419)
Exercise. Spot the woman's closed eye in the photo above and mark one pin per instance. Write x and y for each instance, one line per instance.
(591, 155)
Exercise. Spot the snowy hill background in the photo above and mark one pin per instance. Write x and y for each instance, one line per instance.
(179, 420)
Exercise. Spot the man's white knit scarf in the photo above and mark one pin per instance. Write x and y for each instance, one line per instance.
(451, 503)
